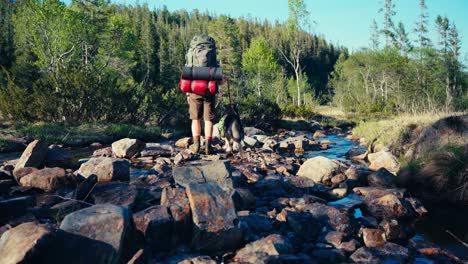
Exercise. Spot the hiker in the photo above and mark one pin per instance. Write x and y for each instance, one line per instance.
(202, 53)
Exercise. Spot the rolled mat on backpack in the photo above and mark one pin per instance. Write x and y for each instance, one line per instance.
(202, 73)
(198, 86)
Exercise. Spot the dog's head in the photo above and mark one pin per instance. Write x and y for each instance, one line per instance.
(231, 109)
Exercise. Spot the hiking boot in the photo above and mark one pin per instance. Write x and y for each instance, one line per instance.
(208, 149)
(195, 147)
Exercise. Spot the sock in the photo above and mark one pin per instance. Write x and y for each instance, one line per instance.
(196, 138)
(209, 138)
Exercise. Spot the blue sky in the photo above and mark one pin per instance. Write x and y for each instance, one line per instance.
(344, 22)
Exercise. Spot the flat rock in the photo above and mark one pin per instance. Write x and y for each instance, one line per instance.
(204, 172)
(214, 217)
(127, 147)
(383, 159)
(116, 193)
(157, 226)
(318, 169)
(382, 178)
(104, 222)
(388, 253)
(157, 150)
(106, 169)
(47, 179)
(272, 245)
(33, 156)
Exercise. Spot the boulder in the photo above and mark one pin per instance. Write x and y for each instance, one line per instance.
(83, 190)
(127, 147)
(33, 156)
(204, 172)
(58, 157)
(22, 243)
(47, 179)
(103, 152)
(388, 253)
(252, 131)
(382, 178)
(156, 224)
(178, 203)
(332, 217)
(389, 207)
(272, 245)
(106, 169)
(383, 159)
(318, 169)
(184, 142)
(157, 150)
(116, 193)
(214, 218)
(21, 172)
(104, 222)
(373, 237)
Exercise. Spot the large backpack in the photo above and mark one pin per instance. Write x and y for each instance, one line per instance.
(202, 52)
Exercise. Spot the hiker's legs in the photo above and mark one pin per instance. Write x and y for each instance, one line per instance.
(208, 129)
(196, 129)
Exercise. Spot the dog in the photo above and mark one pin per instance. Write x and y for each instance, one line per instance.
(231, 129)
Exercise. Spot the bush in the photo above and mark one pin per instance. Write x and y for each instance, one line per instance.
(259, 112)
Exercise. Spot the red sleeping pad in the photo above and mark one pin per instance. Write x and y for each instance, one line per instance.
(198, 86)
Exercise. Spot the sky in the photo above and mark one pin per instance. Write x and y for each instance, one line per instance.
(343, 22)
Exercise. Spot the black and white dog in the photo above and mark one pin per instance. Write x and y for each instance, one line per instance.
(231, 129)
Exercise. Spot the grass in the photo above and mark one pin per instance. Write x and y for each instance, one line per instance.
(74, 134)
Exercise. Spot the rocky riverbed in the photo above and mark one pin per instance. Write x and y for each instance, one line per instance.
(290, 197)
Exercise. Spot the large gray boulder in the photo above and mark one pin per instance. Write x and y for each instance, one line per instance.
(318, 169)
(106, 169)
(104, 222)
(218, 172)
(33, 156)
(127, 147)
(383, 159)
(214, 218)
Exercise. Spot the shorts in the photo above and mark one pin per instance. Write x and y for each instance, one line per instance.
(201, 104)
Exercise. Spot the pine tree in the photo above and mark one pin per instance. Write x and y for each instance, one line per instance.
(388, 11)
(375, 35)
(401, 40)
(421, 26)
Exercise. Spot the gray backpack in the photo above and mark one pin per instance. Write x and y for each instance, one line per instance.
(202, 52)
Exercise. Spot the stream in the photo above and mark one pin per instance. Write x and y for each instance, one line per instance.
(432, 227)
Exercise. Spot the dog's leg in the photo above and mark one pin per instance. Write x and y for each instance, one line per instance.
(228, 146)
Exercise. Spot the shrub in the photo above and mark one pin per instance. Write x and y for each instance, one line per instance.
(258, 112)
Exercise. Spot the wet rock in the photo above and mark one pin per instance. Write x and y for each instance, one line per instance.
(383, 159)
(272, 245)
(318, 169)
(183, 142)
(15, 206)
(22, 243)
(33, 156)
(157, 226)
(104, 152)
(47, 179)
(178, 203)
(251, 131)
(157, 150)
(243, 199)
(214, 216)
(204, 172)
(106, 169)
(58, 157)
(104, 222)
(389, 207)
(334, 238)
(388, 253)
(127, 147)
(83, 190)
(373, 237)
(328, 256)
(304, 225)
(382, 178)
(332, 217)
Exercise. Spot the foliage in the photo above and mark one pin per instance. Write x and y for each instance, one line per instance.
(259, 112)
